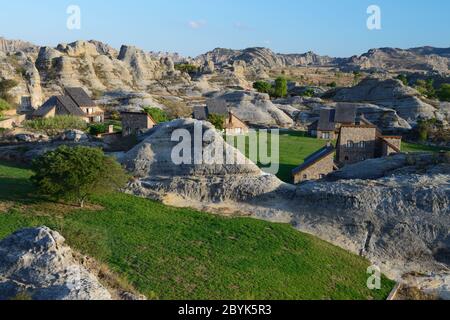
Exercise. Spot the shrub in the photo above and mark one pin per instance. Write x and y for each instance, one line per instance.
(403, 79)
(187, 68)
(4, 106)
(5, 86)
(426, 88)
(157, 114)
(332, 84)
(444, 92)
(280, 89)
(217, 120)
(263, 87)
(56, 124)
(77, 173)
(308, 93)
(98, 128)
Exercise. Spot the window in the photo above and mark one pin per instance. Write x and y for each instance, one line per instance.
(321, 176)
(350, 144)
(305, 177)
(346, 158)
(326, 135)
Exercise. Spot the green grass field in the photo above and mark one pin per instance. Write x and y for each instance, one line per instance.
(296, 146)
(169, 253)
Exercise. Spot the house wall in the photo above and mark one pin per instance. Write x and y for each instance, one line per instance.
(235, 126)
(386, 149)
(316, 171)
(326, 135)
(134, 123)
(356, 144)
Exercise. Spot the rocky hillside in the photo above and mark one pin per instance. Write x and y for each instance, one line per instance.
(90, 64)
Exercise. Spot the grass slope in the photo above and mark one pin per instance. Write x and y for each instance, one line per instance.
(170, 253)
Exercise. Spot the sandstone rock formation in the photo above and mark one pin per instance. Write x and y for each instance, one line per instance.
(254, 108)
(389, 94)
(37, 264)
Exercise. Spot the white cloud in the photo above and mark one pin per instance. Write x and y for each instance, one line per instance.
(197, 24)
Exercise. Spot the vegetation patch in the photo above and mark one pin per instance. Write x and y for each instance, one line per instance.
(169, 253)
(55, 125)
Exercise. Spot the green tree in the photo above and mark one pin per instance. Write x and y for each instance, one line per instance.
(263, 87)
(4, 106)
(281, 87)
(444, 92)
(5, 86)
(426, 88)
(157, 114)
(217, 120)
(332, 84)
(77, 173)
(356, 77)
(403, 79)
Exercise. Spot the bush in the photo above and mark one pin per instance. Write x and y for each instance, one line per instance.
(444, 92)
(4, 106)
(403, 79)
(263, 87)
(280, 89)
(426, 88)
(187, 68)
(157, 114)
(98, 128)
(332, 84)
(5, 86)
(217, 120)
(77, 173)
(308, 93)
(56, 124)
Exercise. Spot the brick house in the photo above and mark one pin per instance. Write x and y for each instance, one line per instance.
(135, 123)
(75, 102)
(316, 166)
(330, 120)
(232, 126)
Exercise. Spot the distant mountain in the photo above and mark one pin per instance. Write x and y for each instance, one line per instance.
(424, 59)
(7, 46)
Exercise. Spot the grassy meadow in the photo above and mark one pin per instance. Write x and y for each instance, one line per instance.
(169, 253)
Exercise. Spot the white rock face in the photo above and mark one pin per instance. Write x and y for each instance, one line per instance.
(254, 108)
(37, 263)
(390, 94)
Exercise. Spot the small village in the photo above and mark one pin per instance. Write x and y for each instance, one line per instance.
(170, 151)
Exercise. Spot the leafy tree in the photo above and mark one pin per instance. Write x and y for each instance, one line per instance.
(5, 86)
(403, 79)
(426, 88)
(263, 87)
(308, 93)
(98, 128)
(444, 92)
(77, 173)
(187, 68)
(157, 114)
(217, 120)
(4, 105)
(281, 87)
(332, 84)
(356, 77)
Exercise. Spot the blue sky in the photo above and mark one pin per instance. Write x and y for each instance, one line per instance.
(191, 27)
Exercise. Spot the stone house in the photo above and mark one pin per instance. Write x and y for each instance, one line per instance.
(94, 113)
(232, 126)
(330, 120)
(135, 123)
(75, 102)
(316, 166)
(364, 141)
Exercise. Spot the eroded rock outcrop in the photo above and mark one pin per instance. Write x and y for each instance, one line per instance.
(35, 263)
